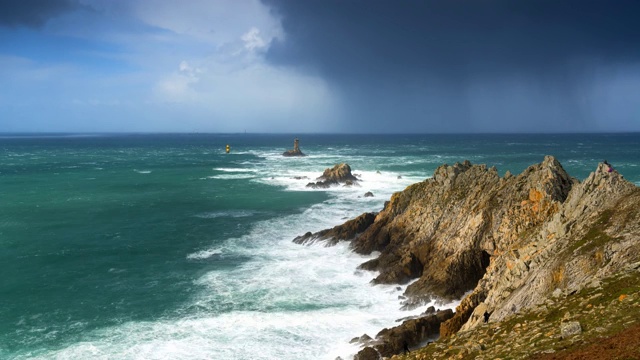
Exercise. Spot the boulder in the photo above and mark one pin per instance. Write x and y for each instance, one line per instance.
(339, 174)
(368, 353)
(368, 194)
(570, 328)
(364, 339)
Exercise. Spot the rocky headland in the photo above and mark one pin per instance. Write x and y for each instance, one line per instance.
(517, 247)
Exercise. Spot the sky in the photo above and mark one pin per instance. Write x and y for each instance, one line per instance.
(332, 66)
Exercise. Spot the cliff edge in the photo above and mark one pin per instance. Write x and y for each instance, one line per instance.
(509, 243)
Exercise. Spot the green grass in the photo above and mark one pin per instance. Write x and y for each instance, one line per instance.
(605, 311)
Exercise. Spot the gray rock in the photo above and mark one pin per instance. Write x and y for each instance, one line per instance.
(570, 328)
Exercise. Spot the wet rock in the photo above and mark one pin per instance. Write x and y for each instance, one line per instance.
(413, 332)
(368, 353)
(364, 339)
(339, 174)
(346, 231)
(368, 194)
(430, 310)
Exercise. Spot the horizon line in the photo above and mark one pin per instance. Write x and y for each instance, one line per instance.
(88, 133)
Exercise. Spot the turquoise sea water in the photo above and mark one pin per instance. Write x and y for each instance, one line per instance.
(166, 247)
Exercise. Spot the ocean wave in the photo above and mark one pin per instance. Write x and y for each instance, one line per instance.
(230, 177)
(380, 183)
(229, 213)
(235, 170)
(204, 254)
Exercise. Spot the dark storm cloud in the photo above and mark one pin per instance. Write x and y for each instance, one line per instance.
(343, 36)
(434, 57)
(32, 13)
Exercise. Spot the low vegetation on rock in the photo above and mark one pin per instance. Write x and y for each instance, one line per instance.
(521, 247)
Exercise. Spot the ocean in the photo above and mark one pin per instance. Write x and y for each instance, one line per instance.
(163, 246)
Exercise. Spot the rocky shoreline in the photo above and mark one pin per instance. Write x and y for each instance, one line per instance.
(508, 242)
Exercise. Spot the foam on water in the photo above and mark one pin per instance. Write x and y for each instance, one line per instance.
(235, 170)
(229, 213)
(204, 254)
(291, 302)
(231, 177)
(287, 301)
(256, 294)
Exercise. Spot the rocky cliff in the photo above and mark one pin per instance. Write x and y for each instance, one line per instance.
(509, 242)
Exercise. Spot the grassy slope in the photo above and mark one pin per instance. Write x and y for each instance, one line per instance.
(609, 314)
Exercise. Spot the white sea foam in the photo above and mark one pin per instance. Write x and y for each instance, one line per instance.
(235, 170)
(287, 301)
(142, 171)
(231, 177)
(204, 254)
(308, 302)
(228, 213)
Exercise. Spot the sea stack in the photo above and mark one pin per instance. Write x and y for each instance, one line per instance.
(296, 149)
(339, 174)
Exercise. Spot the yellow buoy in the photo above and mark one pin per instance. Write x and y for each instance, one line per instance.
(228, 148)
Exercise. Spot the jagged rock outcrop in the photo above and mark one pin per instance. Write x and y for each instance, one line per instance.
(346, 231)
(412, 332)
(511, 241)
(444, 230)
(594, 234)
(295, 151)
(339, 174)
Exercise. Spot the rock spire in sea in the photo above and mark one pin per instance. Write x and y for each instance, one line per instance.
(296, 149)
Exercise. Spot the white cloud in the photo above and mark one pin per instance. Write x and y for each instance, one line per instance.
(203, 70)
(257, 97)
(252, 40)
(216, 22)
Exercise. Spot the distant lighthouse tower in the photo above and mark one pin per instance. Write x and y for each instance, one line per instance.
(296, 149)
